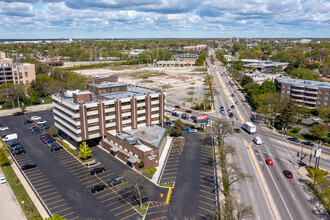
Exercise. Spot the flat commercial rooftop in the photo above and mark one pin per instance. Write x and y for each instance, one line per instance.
(302, 82)
(131, 91)
(151, 134)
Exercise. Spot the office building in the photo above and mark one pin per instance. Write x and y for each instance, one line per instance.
(311, 94)
(16, 73)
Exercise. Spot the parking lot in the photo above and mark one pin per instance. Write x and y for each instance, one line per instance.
(64, 183)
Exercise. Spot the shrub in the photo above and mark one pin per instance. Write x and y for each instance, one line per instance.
(152, 170)
(141, 164)
(296, 130)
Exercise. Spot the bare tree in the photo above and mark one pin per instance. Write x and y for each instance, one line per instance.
(235, 174)
(232, 209)
(140, 187)
(221, 129)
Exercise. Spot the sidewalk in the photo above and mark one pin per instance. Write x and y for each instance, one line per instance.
(34, 108)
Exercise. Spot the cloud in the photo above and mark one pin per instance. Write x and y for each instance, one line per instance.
(19, 9)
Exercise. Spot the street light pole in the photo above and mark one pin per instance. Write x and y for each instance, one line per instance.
(302, 150)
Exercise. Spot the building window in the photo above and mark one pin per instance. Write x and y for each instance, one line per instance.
(320, 91)
(320, 97)
(288, 92)
(283, 86)
(326, 98)
(325, 103)
(318, 102)
(27, 81)
(283, 91)
(327, 92)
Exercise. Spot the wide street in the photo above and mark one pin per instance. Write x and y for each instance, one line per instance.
(291, 198)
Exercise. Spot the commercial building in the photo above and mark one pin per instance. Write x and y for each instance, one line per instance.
(188, 57)
(264, 66)
(198, 48)
(16, 72)
(312, 94)
(174, 63)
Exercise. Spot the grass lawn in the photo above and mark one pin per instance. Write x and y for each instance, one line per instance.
(29, 209)
(47, 100)
(144, 208)
(200, 69)
(170, 184)
(190, 93)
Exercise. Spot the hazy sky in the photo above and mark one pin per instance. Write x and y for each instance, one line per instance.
(163, 18)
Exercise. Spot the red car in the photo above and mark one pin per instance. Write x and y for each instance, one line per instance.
(188, 111)
(287, 174)
(45, 139)
(269, 162)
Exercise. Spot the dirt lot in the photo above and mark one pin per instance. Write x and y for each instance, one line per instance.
(182, 84)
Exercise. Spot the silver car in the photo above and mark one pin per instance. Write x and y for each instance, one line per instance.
(92, 164)
(192, 131)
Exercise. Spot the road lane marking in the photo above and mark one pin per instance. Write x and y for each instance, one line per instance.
(168, 195)
(251, 193)
(293, 196)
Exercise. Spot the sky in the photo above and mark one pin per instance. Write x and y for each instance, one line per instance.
(38, 19)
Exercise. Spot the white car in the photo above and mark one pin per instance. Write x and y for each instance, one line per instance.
(92, 164)
(192, 131)
(316, 119)
(3, 128)
(41, 122)
(257, 140)
(33, 118)
(3, 179)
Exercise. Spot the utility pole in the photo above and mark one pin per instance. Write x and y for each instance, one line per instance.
(95, 53)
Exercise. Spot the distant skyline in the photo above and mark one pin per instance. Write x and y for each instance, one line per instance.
(51, 19)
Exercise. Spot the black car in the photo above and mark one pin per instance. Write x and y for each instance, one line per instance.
(28, 166)
(28, 122)
(98, 188)
(231, 115)
(308, 143)
(33, 127)
(287, 174)
(55, 148)
(293, 139)
(254, 119)
(37, 130)
(17, 147)
(54, 144)
(97, 170)
(18, 113)
(44, 126)
(19, 152)
(175, 114)
(237, 130)
(115, 181)
(232, 106)
(233, 95)
(177, 106)
(13, 143)
(42, 136)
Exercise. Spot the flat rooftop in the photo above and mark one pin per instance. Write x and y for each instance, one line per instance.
(107, 84)
(152, 134)
(131, 91)
(302, 82)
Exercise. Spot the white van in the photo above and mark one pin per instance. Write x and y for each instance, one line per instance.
(257, 140)
(10, 137)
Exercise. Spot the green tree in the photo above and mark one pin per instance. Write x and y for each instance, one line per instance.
(246, 80)
(52, 130)
(4, 160)
(56, 217)
(177, 128)
(200, 60)
(239, 65)
(288, 113)
(268, 87)
(35, 100)
(318, 131)
(84, 151)
(23, 107)
(316, 65)
(306, 74)
(281, 57)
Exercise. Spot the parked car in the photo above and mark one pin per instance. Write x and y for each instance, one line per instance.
(187, 128)
(269, 162)
(243, 100)
(48, 141)
(193, 117)
(237, 130)
(229, 110)
(97, 170)
(34, 118)
(287, 174)
(4, 128)
(28, 166)
(33, 127)
(13, 143)
(44, 126)
(235, 91)
(316, 119)
(19, 152)
(46, 138)
(232, 106)
(231, 115)
(98, 188)
(54, 144)
(55, 148)
(41, 122)
(188, 111)
(308, 143)
(237, 102)
(233, 95)
(307, 116)
(193, 130)
(115, 181)
(177, 106)
(185, 117)
(17, 147)
(44, 135)
(92, 164)
(254, 119)
(28, 122)
(3, 179)
(175, 114)
(18, 113)
(37, 130)
(293, 139)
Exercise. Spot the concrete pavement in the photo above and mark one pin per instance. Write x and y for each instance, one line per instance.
(28, 109)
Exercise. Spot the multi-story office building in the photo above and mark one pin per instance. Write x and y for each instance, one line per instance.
(312, 94)
(107, 106)
(16, 73)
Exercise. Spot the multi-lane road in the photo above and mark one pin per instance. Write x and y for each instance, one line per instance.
(271, 194)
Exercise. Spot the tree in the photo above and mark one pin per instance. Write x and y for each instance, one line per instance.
(316, 65)
(23, 107)
(177, 128)
(235, 174)
(318, 131)
(200, 60)
(246, 80)
(232, 209)
(52, 130)
(56, 217)
(35, 99)
(239, 65)
(139, 186)
(306, 74)
(212, 59)
(4, 160)
(221, 129)
(84, 151)
(288, 113)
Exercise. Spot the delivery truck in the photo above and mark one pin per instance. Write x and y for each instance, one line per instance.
(169, 108)
(249, 127)
(10, 137)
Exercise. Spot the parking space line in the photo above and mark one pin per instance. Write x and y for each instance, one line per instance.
(89, 176)
(206, 203)
(103, 201)
(173, 161)
(24, 160)
(73, 162)
(75, 217)
(63, 210)
(44, 187)
(205, 181)
(206, 177)
(205, 216)
(171, 165)
(171, 169)
(206, 164)
(206, 187)
(41, 184)
(157, 212)
(118, 200)
(79, 168)
(206, 192)
(210, 174)
(168, 177)
(169, 173)
(65, 161)
(51, 198)
(34, 174)
(129, 216)
(49, 194)
(210, 170)
(123, 211)
(207, 210)
(89, 181)
(62, 156)
(36, 177)
(54, 202)
(38, 180)
(45, 191)
(58, 206)
(90, 185)
(31, 171)
(68, 214)
(117, 207)
(163, 217)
